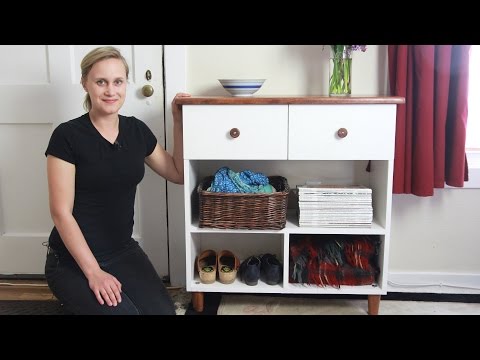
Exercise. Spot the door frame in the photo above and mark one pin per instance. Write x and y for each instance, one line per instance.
(175, 81)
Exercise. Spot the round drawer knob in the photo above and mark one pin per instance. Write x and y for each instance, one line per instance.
(234, 133)
(342, 132)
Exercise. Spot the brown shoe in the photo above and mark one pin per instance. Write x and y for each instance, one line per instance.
(207, 266)
(228, 265)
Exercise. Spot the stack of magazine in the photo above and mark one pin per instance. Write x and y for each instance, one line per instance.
(335, 205)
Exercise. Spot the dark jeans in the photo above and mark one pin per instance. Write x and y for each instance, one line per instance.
(143, 292)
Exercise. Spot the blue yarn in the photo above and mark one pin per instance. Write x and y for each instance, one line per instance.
(227, 181)
(222, 182)
(251, 178)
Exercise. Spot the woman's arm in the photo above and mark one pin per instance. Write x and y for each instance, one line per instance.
(61, 188)
(160, 161)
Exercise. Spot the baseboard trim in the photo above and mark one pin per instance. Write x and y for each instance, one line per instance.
(22, 276)
(398, 282)
(436, 283)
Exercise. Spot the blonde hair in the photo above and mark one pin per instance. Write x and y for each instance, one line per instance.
(94, 56)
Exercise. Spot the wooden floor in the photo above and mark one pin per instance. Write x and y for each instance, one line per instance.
(33, 290)
(25, 290)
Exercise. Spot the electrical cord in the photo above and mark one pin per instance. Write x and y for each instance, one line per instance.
(425, 285)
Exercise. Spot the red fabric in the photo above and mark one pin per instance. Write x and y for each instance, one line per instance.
(353, 265)
(431, 125)
(355, 276)
(359, 251)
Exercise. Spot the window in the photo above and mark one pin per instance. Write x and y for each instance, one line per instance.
(472, 145)
(473, 123)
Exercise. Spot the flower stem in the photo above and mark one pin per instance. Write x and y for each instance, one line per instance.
(340, 77)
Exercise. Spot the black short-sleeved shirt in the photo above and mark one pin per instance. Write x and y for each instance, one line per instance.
(106, 178)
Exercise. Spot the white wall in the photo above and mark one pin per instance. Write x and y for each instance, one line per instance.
(289, 69)
(435, 242)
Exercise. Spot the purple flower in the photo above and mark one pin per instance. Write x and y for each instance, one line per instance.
(347, 49)
(358, 47)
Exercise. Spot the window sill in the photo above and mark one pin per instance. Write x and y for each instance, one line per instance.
(473, 158)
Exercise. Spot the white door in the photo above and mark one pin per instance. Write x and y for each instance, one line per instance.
(39, 89)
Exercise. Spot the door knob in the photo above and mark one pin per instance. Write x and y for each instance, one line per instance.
(147, 90)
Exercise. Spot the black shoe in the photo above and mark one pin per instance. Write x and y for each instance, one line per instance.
(250, 270)
(271, 269)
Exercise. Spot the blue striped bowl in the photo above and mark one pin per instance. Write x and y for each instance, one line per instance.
(242, 87)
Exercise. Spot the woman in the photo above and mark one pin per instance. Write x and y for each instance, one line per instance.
(94, 163)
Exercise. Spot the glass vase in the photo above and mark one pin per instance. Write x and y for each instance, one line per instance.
(340, 74)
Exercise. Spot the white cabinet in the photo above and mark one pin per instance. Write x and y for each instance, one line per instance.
(299, 138)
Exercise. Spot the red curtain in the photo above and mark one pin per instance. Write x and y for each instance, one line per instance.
(431, 125)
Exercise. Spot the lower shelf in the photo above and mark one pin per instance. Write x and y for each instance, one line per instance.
(344, 290)
(262, 288)
(236, 287)
(243, 246)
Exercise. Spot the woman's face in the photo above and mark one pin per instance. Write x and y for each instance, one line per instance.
(106, 84)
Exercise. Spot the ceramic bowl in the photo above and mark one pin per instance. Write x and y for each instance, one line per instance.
(242, 87)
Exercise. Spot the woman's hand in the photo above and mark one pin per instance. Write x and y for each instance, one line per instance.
(106, 288)
(176, 108)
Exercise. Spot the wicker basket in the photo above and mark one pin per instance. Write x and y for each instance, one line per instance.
(244, 211)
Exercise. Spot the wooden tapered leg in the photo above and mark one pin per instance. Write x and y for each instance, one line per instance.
(197, 301)
(373, 304)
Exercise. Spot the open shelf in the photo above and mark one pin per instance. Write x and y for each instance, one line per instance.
(292, 227)
(343, 290)
(236, 287)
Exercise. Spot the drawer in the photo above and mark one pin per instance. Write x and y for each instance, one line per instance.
(236, 132)
(314, 132)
